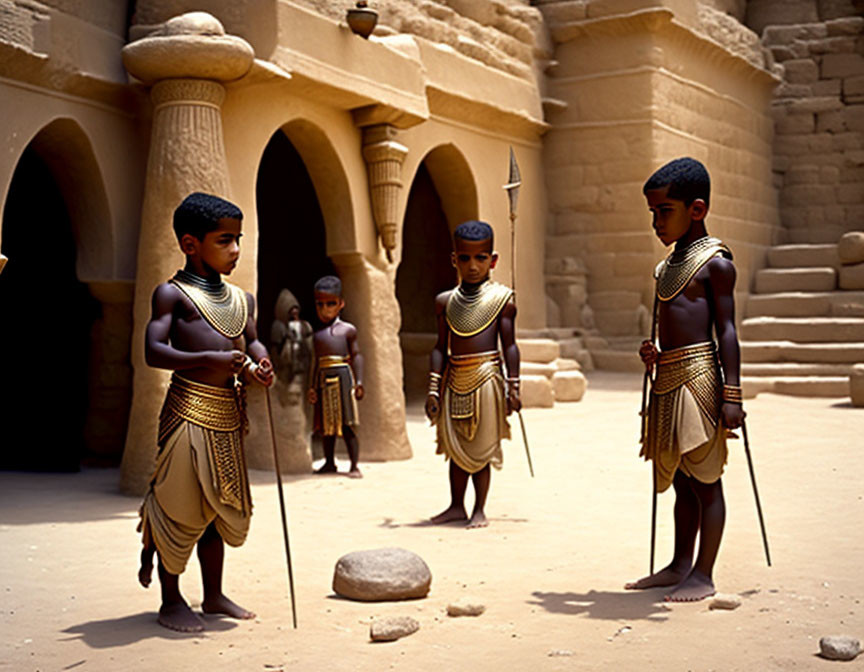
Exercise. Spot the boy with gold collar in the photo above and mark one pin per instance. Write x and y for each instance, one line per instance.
(337, 377)
(467, 397)
(696, 394)
(199, 493)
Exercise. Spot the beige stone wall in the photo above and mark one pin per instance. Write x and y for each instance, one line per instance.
(633, 91)
(507, 35)
(819, 113)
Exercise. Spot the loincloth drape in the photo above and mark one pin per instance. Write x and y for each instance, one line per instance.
(336, 405)
(684, 429)
(473, 416)
(200, 476)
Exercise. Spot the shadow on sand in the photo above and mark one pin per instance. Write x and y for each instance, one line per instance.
(114, 632)
(609, 606)
(391, 524)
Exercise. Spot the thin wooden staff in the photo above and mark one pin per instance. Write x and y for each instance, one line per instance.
(755, 492)
(644, 438)
(282, 506)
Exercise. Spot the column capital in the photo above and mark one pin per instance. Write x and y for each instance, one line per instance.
(189, 46)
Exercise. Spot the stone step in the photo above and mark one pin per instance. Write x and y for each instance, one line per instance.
(617, 360)
(803, 256)
(803, 329)
(787, 351)
(799, 386)
(796, 369)
(770, 280)
(806, 304)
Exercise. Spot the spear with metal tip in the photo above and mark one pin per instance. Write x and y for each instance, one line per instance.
(514, 181)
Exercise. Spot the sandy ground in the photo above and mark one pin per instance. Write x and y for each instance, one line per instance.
(550, 568)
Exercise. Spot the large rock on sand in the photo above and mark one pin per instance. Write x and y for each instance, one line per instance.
(382, 574)
(839, 647)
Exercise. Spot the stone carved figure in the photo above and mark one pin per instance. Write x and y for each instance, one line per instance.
(290, 342)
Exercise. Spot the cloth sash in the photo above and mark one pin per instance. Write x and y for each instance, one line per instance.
(336, 405)
(200, 476)
(473, 417)
(684, 428)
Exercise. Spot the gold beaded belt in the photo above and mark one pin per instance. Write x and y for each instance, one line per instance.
(207, 406)
(466, 373)
(326, 361)
(682, 365)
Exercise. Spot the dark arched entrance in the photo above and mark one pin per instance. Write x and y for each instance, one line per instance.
(47, 318)
(292, 242)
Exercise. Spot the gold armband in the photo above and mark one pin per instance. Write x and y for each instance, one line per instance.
(733, 394)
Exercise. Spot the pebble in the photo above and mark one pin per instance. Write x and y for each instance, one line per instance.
(722, 601)
(465, 608)
(839, 647)
(559, 653)
(391, 629)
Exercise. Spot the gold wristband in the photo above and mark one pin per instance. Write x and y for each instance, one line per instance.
(434, 383)
(733, 394)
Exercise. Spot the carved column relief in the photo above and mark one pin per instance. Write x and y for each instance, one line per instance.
(384, 157)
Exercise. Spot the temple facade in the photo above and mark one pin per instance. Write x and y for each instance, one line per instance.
(360, 155)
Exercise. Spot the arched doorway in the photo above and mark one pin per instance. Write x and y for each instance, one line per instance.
(292, 241)
(48, 315)
(442, 196)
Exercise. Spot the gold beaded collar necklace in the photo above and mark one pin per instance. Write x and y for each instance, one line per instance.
(223, 306)
(675, 271)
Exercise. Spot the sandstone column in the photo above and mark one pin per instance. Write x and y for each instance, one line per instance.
(185, 61)
(370, 304)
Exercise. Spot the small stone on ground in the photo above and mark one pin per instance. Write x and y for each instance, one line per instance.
(391, 629)
(465, 608)
(722, 601)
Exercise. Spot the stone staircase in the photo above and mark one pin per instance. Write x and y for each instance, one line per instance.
(801, 335)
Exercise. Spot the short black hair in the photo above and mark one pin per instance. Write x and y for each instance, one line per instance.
(474, 230)
(329, 284)
(686, 178)
(199, 214)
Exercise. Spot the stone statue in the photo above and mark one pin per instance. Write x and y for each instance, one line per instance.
(290, 342)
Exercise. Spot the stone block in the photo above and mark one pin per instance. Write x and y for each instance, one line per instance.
(834, 45)
(537, 392)
(851, 277)
(856, 385)
(808, 194)
(814, 104)
(850, 247)
(853, 86)
(827, 87)
(850, 194)
(831, 122)
(541, 350)
(571, 347)
(842, 65)
(569, 385)
(618, 322)
(567, 364)
(853, 117)
(536, 369)
(782, 28)
(796, 123)
(801, 71)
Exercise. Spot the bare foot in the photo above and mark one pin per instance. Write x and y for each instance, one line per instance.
(695, 587)
(178, 616)
(665, 577)
(222, 605)
(145, 573)
(451, 514)
(478, 519)
(326, 469)
(355, 473)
